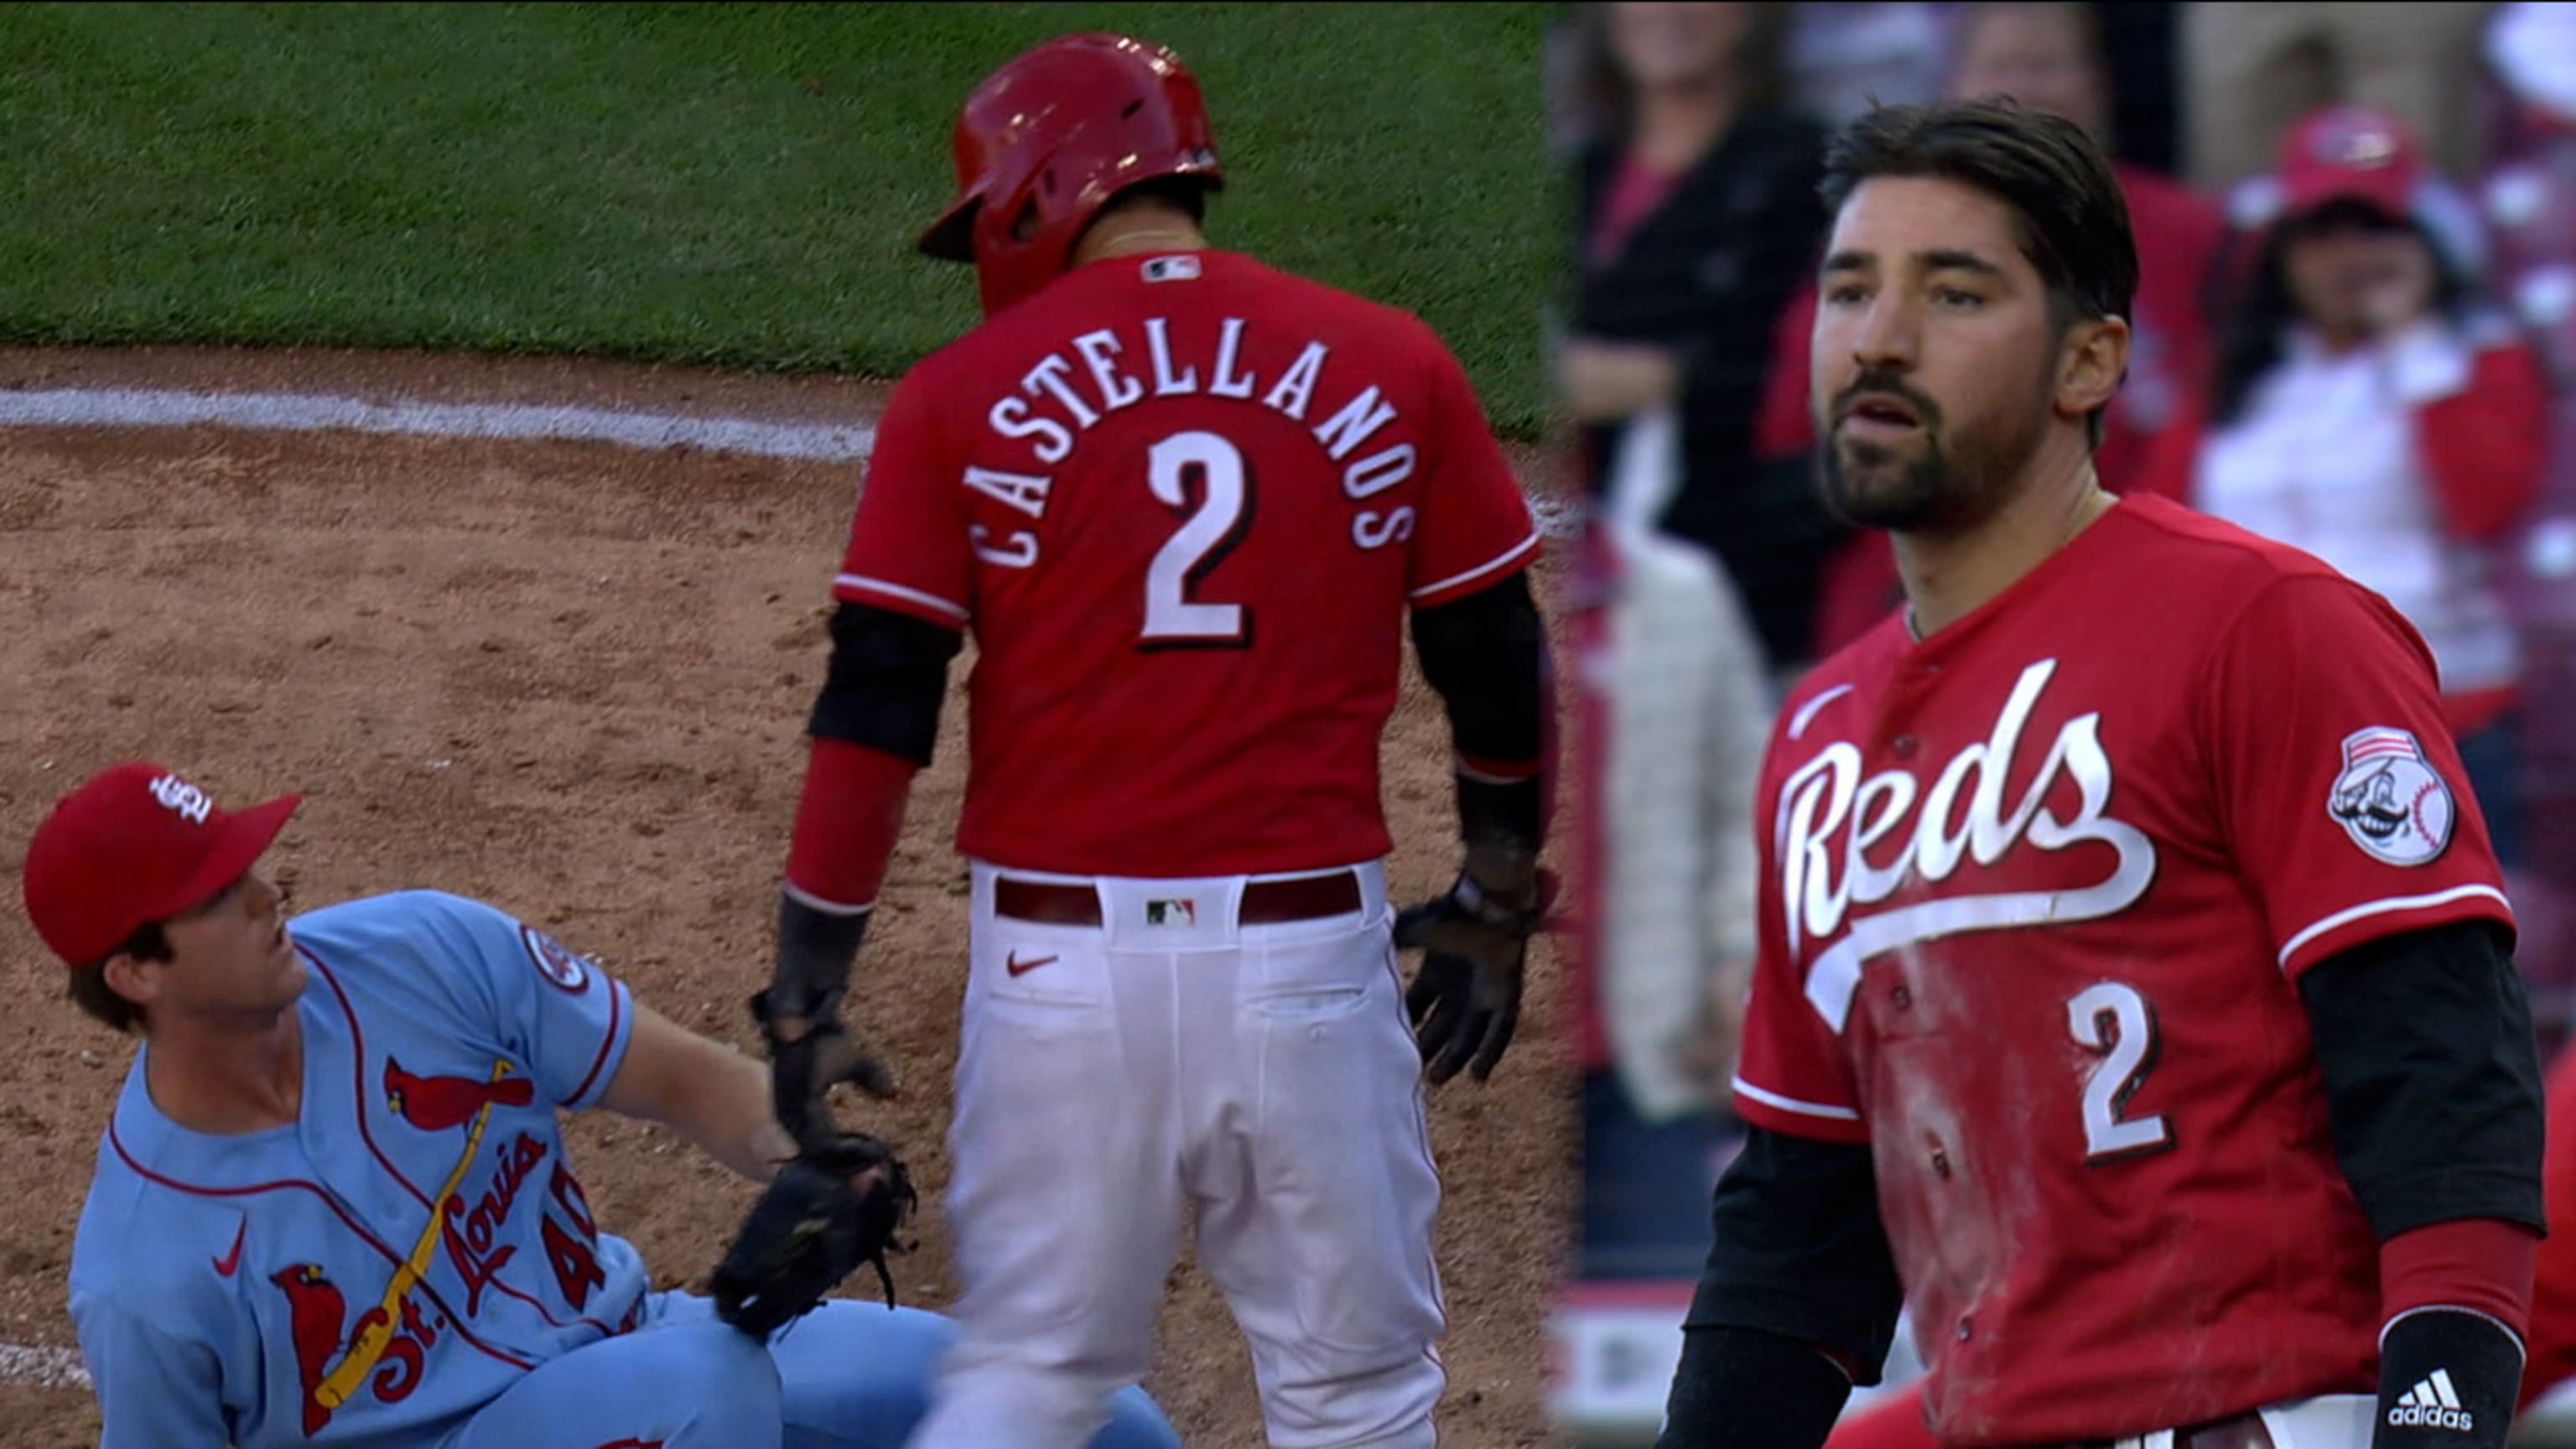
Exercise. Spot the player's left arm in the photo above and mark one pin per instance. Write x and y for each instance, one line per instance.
(2345, 803)
(1483, 648)
(703, 1089)
(2433, 1092)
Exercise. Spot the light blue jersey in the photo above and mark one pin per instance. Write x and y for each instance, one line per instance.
(413, 1262)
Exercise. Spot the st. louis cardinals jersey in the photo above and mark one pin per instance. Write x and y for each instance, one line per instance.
(408, 1248)
(2036, 895)
(1183, 502)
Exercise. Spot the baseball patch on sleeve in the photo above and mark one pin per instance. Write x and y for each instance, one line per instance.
(554, 961)
(2390, 800)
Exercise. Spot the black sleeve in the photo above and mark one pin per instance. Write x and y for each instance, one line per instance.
(1798, 1264)
(887, 680)
(1485, 655)
(1741, 1388)
(1796, 1249)
(2432, 1076)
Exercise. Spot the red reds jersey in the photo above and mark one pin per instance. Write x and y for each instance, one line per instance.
(1183, 502)
(2036, 896)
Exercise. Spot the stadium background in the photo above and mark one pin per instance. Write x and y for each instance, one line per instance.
(451, 410)
(2195, 99)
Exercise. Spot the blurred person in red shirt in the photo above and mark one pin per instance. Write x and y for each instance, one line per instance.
(2550, 1354)
(2367, 407)
(2048, 57)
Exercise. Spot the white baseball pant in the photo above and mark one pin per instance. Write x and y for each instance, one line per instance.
(1166, 1054)
(2329, 1421)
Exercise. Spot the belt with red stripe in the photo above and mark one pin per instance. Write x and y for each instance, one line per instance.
(1264, 903)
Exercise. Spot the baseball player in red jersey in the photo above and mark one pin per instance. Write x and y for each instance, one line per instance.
(1186, 504)
(2134, 998)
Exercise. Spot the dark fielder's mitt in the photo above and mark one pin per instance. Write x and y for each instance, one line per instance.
(838, 1204)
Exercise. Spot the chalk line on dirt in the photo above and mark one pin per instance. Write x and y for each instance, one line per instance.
(139, 407)
(46, 1368)
(136, 407)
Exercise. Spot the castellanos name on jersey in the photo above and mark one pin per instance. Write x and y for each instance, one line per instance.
(1056, 402)
(405, 1250)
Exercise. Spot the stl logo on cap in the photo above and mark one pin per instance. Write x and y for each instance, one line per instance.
(182, 799)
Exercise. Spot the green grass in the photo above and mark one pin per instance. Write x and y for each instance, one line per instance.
(730, 185)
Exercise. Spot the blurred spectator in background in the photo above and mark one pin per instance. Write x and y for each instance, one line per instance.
(2048, 57)
(2368, 408)
(1699, 219)
(2251, 69)
(1675, 707)
(2531, 48)
(1846, 57)
(2549, 1361)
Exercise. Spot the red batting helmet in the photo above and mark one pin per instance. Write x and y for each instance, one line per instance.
(1045, 141)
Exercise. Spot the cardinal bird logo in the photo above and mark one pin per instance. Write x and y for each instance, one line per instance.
(435, 1104)
(315, 1314)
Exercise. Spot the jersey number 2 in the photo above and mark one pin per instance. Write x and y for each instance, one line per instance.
(1173, 620)
(2114, 1020)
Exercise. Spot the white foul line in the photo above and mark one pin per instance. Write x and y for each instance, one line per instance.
(134, 407)
(137, 407)
(46, 1368)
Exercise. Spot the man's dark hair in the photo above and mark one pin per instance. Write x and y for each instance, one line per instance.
(91, 993)
(2072, 219)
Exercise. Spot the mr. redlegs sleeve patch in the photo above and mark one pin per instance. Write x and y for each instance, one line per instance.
(2389, 800)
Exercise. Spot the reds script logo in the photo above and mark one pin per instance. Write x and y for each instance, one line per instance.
(2389, 800)
(1830, 816)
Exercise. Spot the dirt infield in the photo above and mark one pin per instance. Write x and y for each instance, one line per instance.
(570, 678)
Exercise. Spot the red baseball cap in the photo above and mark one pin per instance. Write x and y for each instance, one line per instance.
(2359, 153)
(134, 844)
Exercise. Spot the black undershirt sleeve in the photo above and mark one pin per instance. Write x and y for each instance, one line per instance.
(1485, 656)
(1798, 1264)
(2432, 1073)
(1797, 1249)
(887, 679)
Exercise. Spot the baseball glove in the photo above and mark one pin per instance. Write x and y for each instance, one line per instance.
(836, 1205)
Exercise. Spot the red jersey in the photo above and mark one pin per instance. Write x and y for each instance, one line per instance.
(2036, 896)
(1183, 502)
